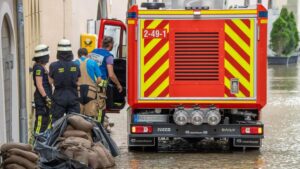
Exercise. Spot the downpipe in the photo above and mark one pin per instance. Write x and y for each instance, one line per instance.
(21, 74)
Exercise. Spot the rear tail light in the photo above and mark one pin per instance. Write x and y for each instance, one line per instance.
(251, 130)
(141, 129)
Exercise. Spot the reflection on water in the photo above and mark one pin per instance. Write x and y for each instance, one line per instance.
(284, 77)
(281, 146)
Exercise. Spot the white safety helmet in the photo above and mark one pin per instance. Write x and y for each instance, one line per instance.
(64, 45)
(40, 51)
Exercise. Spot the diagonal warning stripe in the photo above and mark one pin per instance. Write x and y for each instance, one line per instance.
(157, 73)
(237, 74)
(151, 54)
(165, 92)
(237, 39)
(238, 30)
(155, 64)
(243, 91)
(244, 28)
(156, 56)
(236, 64)
(160, 88)
(233, 53)
(155, 61)
(237, 48)
(239, 56)
(157, 83)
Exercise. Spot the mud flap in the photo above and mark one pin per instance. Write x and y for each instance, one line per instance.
(247, 142)
(142, 141)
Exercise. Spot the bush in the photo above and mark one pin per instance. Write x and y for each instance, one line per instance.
(284, 35)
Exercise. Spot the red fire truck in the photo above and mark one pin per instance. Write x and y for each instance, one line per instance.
(195, 72)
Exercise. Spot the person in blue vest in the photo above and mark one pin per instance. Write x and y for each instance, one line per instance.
(105, 61)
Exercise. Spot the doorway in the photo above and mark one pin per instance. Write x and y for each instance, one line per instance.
(7, 75)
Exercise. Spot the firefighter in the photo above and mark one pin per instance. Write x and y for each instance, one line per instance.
(43, 92)
(105, 61)
(88, 90)
(64, 75)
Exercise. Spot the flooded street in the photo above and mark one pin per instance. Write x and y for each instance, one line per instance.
(281, 146)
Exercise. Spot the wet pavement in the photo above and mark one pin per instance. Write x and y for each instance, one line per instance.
(281, 146)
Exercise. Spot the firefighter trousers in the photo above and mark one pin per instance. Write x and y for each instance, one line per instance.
(42, 114)
(65, 101)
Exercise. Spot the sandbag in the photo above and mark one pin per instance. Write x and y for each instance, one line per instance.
(108, 154)
(13, 159)
(25, 154)
(81, 155)
(94, 160)
(75, 133)
(21, 146)
(90, 137)
(70, 127)
(69, 151)
(80, 123)
(103, 156)
(14, 166)
(77, 141)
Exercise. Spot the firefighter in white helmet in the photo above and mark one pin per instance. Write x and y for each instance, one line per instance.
(43, 92)
(64, 75)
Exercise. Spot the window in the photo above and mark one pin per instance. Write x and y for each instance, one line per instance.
(115, 33)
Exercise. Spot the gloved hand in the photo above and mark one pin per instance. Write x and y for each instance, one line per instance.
(48, 101)
(103, 84)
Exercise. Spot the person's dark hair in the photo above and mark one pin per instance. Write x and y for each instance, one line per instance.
(64, 55)
(82, 52)
(106, 41)
(42, 60)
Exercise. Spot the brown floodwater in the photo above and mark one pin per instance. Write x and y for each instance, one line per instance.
(281, 146)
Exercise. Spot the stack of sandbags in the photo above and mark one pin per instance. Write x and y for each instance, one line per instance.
(19, 156)
(77, 144)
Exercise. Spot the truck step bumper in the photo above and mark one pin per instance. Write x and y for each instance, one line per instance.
(202, 131)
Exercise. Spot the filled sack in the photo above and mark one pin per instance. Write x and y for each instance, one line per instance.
(75, 133)
(13, 159)
(25, 154)
(79, 123)
(21, 146)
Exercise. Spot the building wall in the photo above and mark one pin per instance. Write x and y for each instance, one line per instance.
(32, 14)
(76, 15)
(7, 11)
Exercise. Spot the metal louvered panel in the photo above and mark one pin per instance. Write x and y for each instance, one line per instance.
(197, 56)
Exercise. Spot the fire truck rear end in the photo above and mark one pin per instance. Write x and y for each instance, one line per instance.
(196, 73)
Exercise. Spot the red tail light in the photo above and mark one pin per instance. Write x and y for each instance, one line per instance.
(251, 130)
(141, 129)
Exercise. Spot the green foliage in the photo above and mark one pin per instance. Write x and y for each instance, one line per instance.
(284, 35)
